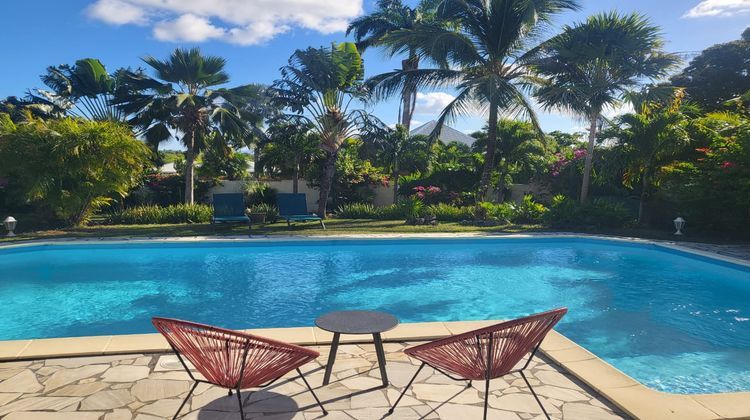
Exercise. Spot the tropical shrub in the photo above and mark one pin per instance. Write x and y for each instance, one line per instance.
(501, 213)
(358, 211)
(260, 193)
(448, 213)
(567, 213)
(69, 168)
(271, 211)
(529, 211)
(156, 215)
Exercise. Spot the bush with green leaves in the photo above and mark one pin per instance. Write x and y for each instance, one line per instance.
(157, 215)
(448, 213)
(358, 211)
(494, 212)
(528, 211)
(69, 168)
(565, 212)
(259, 193)
(271, 211)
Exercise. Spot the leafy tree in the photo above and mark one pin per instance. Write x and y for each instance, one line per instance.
(318, 86)
(590, 66)
(70, 167)
(650, 139)
(718, 74)
(181, 101)
(520, 148)
(288, 149)
(391, 16)
(221, 161)
(481, 53)
(392, 147)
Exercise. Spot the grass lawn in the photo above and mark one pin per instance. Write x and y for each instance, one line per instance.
(335, 226)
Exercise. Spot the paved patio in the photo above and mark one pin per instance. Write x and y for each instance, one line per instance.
(147, 387)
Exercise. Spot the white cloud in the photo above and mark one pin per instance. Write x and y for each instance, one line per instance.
(432, 103)
(116, 12)
(187, 27)
(718, 8)
(244, 22)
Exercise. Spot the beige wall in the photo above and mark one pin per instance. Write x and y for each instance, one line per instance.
(383, 195)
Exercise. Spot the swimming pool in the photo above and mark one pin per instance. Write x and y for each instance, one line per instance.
(672, 320)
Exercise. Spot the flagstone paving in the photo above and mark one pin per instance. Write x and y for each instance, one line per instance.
(148, 387)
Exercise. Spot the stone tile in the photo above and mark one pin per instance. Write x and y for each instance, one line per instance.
(137, 343)
(161, 408)
(585, 411)
(5, 398)
(9, 373)
(11, 349)
(38, 403)
(51, 347)
(119, 414)
(562, 394)
(125, 373)
(456, 394)
(79, 390)
(68, 376)
(556, 379)
(147, 390)
(170, 362)
(369, 400)
(296, 335)
(522, 403)
(25, 382)
(74, 362)
(41, 415)
(107, 400)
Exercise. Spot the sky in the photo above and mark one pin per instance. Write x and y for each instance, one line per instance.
(258, 36)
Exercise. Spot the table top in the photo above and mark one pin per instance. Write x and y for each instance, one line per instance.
(357, 322)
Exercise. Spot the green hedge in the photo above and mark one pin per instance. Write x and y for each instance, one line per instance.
(156, 215)
(405, 209)
(566, 213)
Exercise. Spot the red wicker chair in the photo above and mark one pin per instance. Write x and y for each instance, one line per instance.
(232, 359)
(486, 353)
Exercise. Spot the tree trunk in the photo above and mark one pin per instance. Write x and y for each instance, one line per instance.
(295, 179)
(501, 182)
(329, 169)
(644, 197)
(408, 95)
(190, 170)
(489, 156)
(395, 177)
(589, 159)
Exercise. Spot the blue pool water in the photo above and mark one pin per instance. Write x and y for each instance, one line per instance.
(673, 321)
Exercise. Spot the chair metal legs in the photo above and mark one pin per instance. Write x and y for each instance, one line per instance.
(538, 401)
(239, 400)
(390, 411)
(195, 384)
(325, 413)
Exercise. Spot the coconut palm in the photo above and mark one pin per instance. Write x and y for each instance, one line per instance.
(318, 87)
(651, 138)
(181, 102)
(481, 54)
(288, 148)
(589, 67)
(391, 16)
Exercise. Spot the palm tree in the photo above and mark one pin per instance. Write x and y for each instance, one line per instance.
(391, 16)
(650, 138)
(181, 102)
(392, 146)
(318, 86)
(481, 54)
(589, 67)
(520, 148)
(288, 148)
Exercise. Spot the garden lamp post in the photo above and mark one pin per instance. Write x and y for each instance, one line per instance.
(679, 224)
(10, 225)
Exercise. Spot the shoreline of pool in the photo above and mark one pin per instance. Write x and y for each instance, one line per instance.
(623, 391)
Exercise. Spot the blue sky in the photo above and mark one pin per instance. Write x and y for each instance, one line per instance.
(257, 36)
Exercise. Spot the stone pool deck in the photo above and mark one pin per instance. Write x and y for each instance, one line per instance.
(152, 386)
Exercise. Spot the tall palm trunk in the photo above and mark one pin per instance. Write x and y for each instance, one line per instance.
(395, 177)
(190, 168)
(589, 158)
(489, 156)
(295, 177)
(409, 93)
(329, 169)
(644, 197)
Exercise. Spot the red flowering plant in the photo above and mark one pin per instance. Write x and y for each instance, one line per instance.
(428, 195)
(564, 159)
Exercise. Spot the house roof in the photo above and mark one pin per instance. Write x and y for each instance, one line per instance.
(447, 134)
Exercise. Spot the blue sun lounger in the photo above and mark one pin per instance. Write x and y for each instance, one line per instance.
(229, 208)
(293, 208)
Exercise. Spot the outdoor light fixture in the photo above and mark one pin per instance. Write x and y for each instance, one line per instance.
(10, 225)
(679, 223)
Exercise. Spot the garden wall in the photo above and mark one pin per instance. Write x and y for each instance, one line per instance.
(383, 194)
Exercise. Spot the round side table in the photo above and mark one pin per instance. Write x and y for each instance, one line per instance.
(357, 322)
